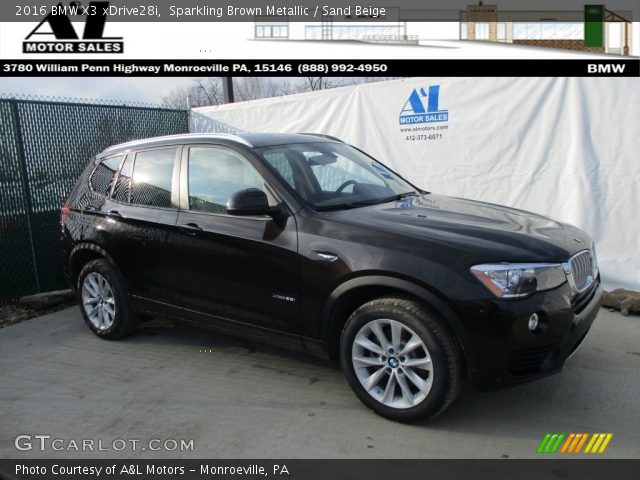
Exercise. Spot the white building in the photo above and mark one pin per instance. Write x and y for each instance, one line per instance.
(605, 32)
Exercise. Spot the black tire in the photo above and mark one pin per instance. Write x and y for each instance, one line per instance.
(125, 320)
(441, 347)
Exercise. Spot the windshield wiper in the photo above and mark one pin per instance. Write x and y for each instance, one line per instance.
(366, 203)
(397, 197)
(343, 206)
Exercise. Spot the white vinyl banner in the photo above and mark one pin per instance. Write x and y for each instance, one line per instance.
(568, 148)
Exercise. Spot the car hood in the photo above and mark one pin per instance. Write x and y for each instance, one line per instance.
(494, 232)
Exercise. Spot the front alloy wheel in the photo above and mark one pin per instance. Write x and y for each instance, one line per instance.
(392, 363)
(400, 359)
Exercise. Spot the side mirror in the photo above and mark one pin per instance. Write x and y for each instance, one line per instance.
(251, 201)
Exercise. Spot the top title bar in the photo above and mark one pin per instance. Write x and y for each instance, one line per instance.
(323, 11)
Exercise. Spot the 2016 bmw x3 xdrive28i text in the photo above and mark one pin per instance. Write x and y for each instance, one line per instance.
(306, 242)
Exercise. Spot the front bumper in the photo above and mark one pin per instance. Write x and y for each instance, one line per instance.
(507, 353)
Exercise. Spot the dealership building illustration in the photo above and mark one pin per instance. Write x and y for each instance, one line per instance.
(594, 29)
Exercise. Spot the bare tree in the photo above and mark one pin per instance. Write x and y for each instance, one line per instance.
(323, 83)
(201, 92)
(208, 90)
(176, 98)
(253, 88)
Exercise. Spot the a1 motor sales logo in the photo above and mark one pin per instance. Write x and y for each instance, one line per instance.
(414, 110)
(422, 118)
(57, 24)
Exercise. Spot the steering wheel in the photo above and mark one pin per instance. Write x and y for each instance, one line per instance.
(345, 185)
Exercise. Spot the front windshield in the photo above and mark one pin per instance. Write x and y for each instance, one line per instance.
(334, 175)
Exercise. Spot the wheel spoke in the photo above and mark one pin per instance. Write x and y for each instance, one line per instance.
(390, 389)
(373, 379)
(94, 284)
(406, 390)
(92, 312)
(376, 328)
(109, 309)
(105, 317)
(423, 363)
(98, 316)
(421, 384)
(90, 288)
(102, 283)
(364, 342)
(413, 343)
(396, 335)
(368, 362)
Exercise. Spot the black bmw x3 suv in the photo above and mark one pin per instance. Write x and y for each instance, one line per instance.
(305, 242)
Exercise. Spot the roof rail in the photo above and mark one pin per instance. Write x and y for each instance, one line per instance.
(178, 137)
(330, 137)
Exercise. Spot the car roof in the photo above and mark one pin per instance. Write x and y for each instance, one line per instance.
(251, 140)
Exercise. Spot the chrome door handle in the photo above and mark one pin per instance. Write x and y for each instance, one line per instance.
(190, 228)
(326, 256)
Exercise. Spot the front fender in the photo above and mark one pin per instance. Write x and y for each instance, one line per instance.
(423, 294)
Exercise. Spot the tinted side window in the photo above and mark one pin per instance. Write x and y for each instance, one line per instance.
(217, 173)
(102, 177)
(152, 177)
(121, 191)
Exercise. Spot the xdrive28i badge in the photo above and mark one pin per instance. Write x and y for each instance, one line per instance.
(56, 34)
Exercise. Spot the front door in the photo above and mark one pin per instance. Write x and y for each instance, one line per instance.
(239, 268)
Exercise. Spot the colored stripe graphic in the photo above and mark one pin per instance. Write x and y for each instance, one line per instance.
(581, 443)
(550, 443)
(598, 443)
(572, 443)
(543, 443)
(565, 447)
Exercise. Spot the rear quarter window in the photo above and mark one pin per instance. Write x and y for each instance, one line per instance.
(102, 177)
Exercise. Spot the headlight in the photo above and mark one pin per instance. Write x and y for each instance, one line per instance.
(512, 280)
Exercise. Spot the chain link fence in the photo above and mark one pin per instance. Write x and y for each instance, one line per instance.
(44, 146)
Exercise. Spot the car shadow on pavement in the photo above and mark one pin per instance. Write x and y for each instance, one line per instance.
(165, 331)
(566, 400)
(472, 412)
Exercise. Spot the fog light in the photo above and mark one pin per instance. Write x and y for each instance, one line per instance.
(534, 321)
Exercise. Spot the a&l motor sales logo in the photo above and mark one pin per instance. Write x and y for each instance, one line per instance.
(57, 24)
(414, 110)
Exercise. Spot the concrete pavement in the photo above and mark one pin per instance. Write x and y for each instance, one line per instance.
(236, 399)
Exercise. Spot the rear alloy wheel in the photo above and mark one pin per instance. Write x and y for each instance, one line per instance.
(103, 302)
(400, 359)
(98, 301)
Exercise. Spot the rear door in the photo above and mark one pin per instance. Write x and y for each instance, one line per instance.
(141, 212)
(240, 268)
